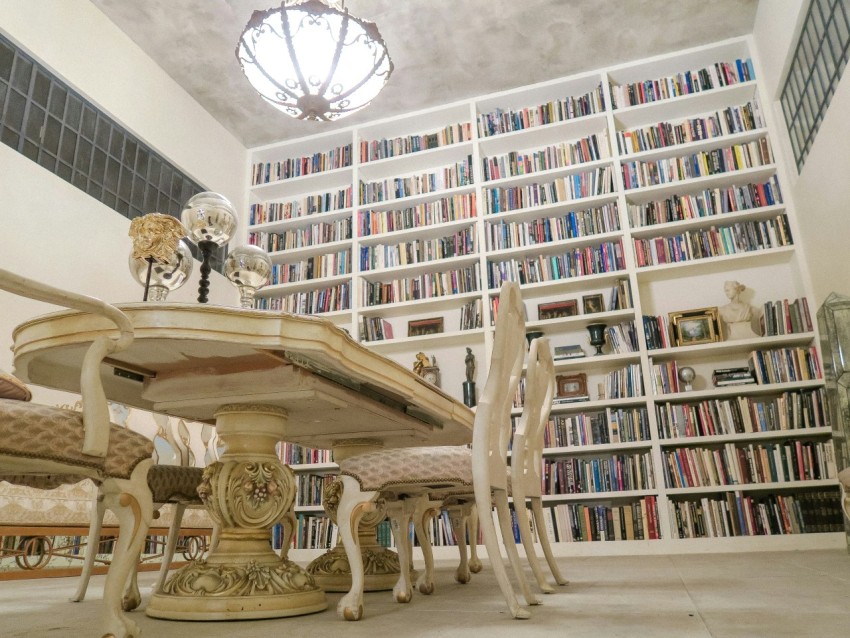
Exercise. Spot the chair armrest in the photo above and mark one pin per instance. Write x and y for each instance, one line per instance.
(95, 408)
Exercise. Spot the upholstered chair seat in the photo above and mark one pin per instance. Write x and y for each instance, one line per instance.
(420, 468)
(173, 483)
(35, 431)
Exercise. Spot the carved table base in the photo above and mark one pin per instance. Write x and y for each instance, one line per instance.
(246, 493)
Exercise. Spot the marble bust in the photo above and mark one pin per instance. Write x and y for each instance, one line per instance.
(741, 320)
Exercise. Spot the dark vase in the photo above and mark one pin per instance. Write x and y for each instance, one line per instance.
(597, 336)
(531, 336)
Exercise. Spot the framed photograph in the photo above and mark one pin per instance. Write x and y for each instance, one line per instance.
(557, 309)
(572, 386)
(421, 327)
(692, 327)
(592, 303)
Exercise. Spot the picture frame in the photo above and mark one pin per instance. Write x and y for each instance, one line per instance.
(694, 327)
(592, 304)
(557, 309)
(572, 386)
(422, 327)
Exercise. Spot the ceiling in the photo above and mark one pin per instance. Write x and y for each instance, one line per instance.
(443, 50)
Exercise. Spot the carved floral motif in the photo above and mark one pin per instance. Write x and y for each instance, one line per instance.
(247, 494)
(203, 579)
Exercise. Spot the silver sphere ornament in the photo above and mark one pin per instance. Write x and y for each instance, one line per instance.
(164, 277)
(687, 376)
(249, 269)
(209, 217)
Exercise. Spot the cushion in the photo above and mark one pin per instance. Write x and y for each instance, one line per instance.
(31, 430)
(434, 467)
(175, 484)
(12, 388)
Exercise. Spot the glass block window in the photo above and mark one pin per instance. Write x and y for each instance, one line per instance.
(819, 61)
(53, 125)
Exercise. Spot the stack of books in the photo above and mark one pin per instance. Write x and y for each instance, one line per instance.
(732, 376)
(568, 352)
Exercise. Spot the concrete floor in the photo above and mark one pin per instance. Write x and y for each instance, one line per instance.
(795, 593)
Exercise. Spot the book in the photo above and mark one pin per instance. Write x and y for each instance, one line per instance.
(568, 352)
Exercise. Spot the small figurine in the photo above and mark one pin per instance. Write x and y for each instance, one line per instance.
(421, 363)
(469, 360)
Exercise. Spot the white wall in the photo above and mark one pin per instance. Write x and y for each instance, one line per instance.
(821, 192)
(56, 233)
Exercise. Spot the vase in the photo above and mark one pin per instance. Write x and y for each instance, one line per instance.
(597, 336)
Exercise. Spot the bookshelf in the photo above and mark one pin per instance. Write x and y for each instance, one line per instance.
(621, 197)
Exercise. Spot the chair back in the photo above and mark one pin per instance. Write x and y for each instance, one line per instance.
(492, 427)
(527, 448)
(96, 419)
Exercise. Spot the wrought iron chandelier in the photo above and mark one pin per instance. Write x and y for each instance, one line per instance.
(313, 60)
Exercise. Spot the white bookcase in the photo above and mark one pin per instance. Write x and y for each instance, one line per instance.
(562, 207)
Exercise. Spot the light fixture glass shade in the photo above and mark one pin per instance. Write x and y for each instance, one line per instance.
(164, 277)
(209, 217)
(249, 269)
(313, 61)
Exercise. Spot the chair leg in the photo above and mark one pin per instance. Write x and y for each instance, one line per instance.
(95, 526)
(491, 542)
(400, 514)
(170, 546)
(528, 544)
(425, 511)
(537, 512)
(458, 518)
(131, 502)
(353, 504)
(504, 514)
(475, 565)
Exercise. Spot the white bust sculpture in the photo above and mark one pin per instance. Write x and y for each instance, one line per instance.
(740, 318)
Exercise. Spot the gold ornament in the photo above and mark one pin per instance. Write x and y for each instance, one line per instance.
(155, 236)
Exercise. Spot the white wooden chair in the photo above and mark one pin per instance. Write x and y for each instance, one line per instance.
(527, 458)
(44, 447)
(169, 484)
(408, 479)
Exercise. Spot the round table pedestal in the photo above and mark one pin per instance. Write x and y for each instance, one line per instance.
(246, 493)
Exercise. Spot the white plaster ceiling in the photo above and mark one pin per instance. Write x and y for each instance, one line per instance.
(443, 50)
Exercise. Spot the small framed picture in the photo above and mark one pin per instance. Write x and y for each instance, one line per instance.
(557, 309)
(421, 327)
(693, 327)
(592, 303)
(572, 386)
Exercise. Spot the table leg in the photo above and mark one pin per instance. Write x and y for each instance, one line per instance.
(246, 492)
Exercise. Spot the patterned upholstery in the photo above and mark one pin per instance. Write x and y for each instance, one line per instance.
(36, 431)
(421, 466)
(12, 388)
(175, 484)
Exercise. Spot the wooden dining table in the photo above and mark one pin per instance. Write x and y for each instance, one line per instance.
(260, 377)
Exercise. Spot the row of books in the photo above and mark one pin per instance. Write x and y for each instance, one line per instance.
(264, 172)
(371, 150)
(579, 262)
(294, 454)
(793, 410)
(515, 163)
(460, 243)
(615, 473)
(732, 464)
(611, 425)
(656, 332)
(599, 181)
(592, 221)
(706, 203)
(568, 522)
(310, 487)
(310, 302)
(783, 317)
(426, 286)
(501, 121)
(733, 119)
(303, 207)
(785, 365)
(643, 173)
(738, 514)
(312, 235)
(458, 174)
(622, 337)
(707, 78)
(623, 383)
(431, 213)
(316, 267)
(740, 237)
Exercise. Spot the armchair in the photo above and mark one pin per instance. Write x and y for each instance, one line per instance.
(44, 447)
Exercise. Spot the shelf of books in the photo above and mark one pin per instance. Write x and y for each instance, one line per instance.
(641, 210)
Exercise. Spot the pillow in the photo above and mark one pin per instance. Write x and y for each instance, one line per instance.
(12, 388)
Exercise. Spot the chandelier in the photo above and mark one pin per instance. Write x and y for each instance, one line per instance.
(314, 61)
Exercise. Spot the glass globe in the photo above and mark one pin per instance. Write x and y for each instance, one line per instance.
(249, 269)
(209, 217)
(687, 376)
(164, 277)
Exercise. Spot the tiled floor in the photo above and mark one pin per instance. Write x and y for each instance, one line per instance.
(773, 594)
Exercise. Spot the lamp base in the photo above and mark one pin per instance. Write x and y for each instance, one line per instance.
(469, 394)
